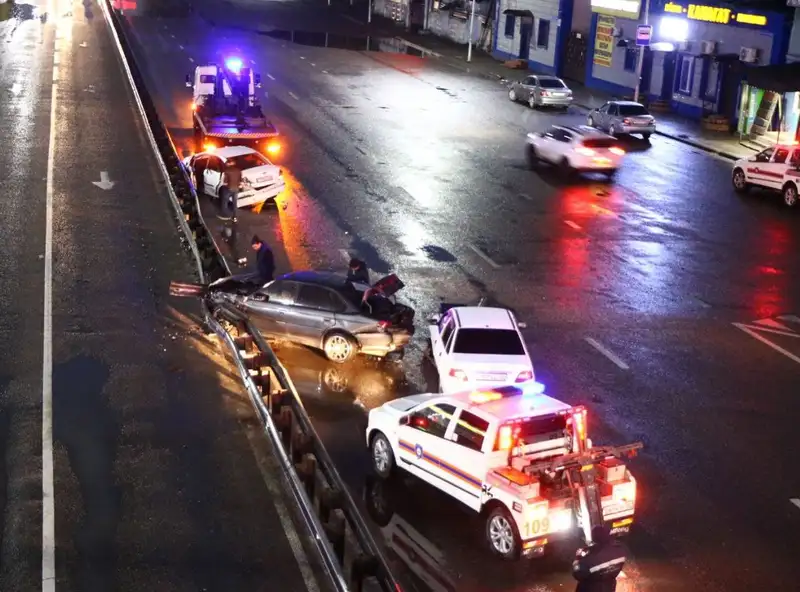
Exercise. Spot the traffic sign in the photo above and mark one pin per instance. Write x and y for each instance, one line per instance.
(643, 35)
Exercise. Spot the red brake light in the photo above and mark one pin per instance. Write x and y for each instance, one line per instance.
(626, 121)
(458, 374)
(524, 376)
(585, 151)
(505, 438)
(545, 93)
(384, 325)
(617, 151)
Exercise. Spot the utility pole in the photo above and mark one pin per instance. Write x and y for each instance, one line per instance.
(471, 29)
(640, 61)
(369, 11)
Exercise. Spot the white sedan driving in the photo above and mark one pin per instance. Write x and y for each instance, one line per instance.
(261, 180)
(575, 149)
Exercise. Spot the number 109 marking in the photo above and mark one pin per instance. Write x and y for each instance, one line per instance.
(536, 527)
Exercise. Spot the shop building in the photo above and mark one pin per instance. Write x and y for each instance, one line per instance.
(698, 54)
(534, 31)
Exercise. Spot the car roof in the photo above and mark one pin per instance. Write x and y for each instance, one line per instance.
(546, 77)
(583, 130)
(329, 279)
(232, 151)
(484, 317)
(627, 103)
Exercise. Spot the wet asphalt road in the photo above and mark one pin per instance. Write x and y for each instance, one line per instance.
(418, 168)
(159, 476)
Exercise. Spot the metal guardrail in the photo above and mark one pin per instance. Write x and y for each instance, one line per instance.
(338, 533)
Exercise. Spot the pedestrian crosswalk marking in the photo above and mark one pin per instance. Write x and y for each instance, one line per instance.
(753, 331)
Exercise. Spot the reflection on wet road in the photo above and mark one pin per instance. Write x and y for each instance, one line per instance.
(630, 290)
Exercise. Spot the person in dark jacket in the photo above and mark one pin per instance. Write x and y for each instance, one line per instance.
(227, 205)
(597, 566)
(358, 271)
(265, 262)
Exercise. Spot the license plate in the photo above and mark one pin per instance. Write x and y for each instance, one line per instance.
(264, 180)
(492, 376)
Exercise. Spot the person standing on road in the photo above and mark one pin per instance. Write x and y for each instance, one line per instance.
(597, 566)
(265, 262)
(228, 198)
(358, 271)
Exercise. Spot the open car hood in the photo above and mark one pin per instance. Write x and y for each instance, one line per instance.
(390, 285)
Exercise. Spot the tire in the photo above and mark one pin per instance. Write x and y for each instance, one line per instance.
(590, 121)
(339, 347)
(790, 195)
(740, 184)
(613, 130)
(512, 95)
(565, 168)
(532, 157)
(501, 533)
(381, 455)
(646, 137)
(532, 102)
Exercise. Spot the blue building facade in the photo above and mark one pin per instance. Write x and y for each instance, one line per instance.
(697, 52)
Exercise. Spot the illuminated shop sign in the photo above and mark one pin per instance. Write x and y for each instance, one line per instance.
(713, 14)
(621, 8)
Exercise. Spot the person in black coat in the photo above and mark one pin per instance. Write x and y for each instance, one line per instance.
(358, 271)
(597, 566)
(265, 262)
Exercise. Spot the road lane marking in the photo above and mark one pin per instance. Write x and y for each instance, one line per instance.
(294, 96)
(313, 64)
(302, 57)
(572, 224)
(48, 486)
(181, 46)
(270, 76)
(766, 341)
(525, 196)
(324, 71)
(607, 353)
(771, 323)
(484, 256)
(191, 60)
(796, 502)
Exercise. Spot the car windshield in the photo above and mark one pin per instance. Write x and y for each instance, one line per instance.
(500, 342)
(248, 161)
(551, 83)
(599, 142)
(630, 110)
(541, 429)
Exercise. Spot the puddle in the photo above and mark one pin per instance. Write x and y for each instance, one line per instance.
(336, 41)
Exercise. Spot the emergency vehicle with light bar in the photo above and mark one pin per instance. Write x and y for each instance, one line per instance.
(776, 168)
(226, 111)
(518, 457)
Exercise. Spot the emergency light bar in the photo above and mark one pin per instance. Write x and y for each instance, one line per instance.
(505, 392)
(234, 65)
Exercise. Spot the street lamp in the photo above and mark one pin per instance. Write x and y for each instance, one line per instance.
(640, 61)
(471, 29)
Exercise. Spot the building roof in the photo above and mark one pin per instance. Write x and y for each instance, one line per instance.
(484, 317)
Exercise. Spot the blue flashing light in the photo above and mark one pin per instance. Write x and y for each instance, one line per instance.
(234, 65)
(533, 388)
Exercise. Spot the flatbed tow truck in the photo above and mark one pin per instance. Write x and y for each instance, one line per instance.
(226, 111)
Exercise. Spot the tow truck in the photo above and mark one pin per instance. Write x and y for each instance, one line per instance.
(226, 111)
(518, 457)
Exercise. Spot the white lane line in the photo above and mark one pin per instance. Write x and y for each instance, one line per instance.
(525, 196)
(766, 341)
(294, 96)
(191, 60)
(790, 318)
(171, 35)
(572, 224)
(796, 502)
(270, 76)
(607, 353)
(181, 46)
(302, 57)
(484, 256)
(324, 71)
(345, 254)
(48, 487)
(313, 64)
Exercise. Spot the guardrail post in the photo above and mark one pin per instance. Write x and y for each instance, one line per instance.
(363, 567)
(307, 471)
(286, 418)
(300, 444)
(335, 528)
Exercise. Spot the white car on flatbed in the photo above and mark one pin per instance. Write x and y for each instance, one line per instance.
(776, 168)
(518, 457)
(477, 346)
(575, 149)
(261, 180)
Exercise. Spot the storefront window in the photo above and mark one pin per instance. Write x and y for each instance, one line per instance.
(510, 22)
(711, 81)
(686, 79)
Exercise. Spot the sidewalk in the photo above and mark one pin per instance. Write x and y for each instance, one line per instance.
(672, 126)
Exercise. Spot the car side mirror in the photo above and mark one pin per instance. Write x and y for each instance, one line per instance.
(405, 420)
(258, 80)
(189, 81)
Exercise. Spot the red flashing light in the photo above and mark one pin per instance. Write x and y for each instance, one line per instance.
(458, 374)
(524, 376)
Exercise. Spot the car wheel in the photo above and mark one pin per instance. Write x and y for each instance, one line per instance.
(339, 347)
(590, 121)
(565, 167)
(532, 102)
(381, 455)
(501, 533)
(740, 184)
(613, 130)
(512, 95)
(646, 137)
(790, 195)
(532, 157)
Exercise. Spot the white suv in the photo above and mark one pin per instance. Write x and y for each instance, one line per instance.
(776, 168)
(575, 149)
(517, 456)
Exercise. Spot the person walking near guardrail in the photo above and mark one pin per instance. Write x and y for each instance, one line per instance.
(228, 198)
(265, 261)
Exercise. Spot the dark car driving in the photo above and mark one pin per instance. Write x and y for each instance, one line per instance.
(326, 311)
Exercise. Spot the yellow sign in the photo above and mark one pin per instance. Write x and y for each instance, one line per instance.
(713, 14)
(604, 40)
(622, 8)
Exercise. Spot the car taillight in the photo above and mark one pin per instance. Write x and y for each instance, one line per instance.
(626, 121)
(524, 376)
(585, 151)
(458, 374)
(624, 492)
(383, 325)
(273, 148)
(617, 151)
(545, 93)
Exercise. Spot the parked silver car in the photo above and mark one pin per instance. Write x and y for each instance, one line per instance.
(324, 310)
(541, 91)
(623, 117)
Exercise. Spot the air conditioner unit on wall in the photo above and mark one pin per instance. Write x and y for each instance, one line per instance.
(708, 47)
(748, 54)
